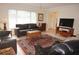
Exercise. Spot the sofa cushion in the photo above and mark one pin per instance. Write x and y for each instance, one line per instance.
(74, 45)
(4, 33)
(59, 49)
(32, 26)
(26, 26)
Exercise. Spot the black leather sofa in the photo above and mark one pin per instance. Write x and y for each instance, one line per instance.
(66, 48)
(21, 29)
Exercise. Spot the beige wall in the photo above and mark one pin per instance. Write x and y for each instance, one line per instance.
(5, 7)
(67, 12)
(64, 11)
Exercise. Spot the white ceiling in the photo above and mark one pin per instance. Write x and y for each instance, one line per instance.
(37, 5)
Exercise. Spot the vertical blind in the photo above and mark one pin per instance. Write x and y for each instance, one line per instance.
(21, 17)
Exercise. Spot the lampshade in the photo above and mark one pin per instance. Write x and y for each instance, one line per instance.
(4, 20)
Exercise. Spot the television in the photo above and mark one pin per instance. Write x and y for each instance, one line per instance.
(67, 22)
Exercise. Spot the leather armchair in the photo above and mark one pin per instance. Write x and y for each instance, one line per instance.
(66, 48)
(8, 42)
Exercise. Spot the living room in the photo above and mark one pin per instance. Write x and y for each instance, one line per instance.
(36, 27)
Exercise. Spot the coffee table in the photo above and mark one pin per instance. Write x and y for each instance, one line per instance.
(34, 33)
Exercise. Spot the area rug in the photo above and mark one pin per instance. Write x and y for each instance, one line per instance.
(27, 45)
(24, 44)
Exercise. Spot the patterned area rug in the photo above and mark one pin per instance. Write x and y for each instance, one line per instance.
(24, 44)
(27, 44)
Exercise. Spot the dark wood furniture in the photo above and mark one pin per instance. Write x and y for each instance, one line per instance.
(42, 26)
(68, 31)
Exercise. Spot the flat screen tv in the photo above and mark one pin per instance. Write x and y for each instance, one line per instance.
(67, 22)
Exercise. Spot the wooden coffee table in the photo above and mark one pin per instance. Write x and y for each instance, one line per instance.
(32, 35)
(35, 33)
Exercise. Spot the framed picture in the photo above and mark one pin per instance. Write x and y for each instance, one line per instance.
(40, 16)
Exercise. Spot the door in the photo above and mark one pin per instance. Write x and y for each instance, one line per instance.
(52, 20)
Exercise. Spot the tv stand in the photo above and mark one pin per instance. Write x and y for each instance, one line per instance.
(65, 31)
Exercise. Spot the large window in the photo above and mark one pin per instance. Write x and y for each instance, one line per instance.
(21, 17)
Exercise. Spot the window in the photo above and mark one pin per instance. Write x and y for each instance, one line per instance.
(12, 18)
(21, 17)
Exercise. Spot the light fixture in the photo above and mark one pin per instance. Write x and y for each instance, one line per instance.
(40, 8)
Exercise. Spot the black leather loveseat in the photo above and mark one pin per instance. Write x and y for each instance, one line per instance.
(21, 29)
(66, 48)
